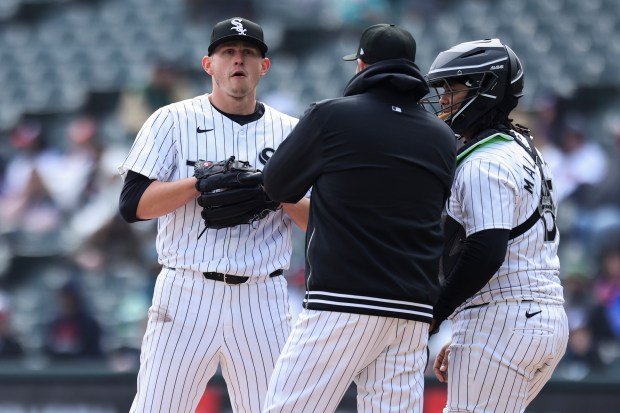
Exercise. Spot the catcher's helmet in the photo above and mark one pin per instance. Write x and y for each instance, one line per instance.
(492, 73)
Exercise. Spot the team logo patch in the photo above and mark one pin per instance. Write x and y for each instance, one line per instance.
(265, 155)
(236, 23)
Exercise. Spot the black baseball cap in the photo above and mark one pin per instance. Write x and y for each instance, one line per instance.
(383, 42)
(237, 28)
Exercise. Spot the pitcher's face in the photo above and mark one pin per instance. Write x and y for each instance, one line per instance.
(236, 68)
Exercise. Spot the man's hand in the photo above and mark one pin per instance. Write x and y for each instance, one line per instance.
(440, 367)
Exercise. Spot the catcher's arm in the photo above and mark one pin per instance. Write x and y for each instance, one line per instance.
(440, 366)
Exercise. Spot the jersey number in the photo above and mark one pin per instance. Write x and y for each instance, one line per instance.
(547, 210)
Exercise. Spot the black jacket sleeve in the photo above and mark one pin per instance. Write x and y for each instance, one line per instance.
(482, 255)
(296, 164)
(133, 188)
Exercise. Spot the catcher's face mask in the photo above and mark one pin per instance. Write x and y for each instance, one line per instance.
(450, 95)
(457, 101)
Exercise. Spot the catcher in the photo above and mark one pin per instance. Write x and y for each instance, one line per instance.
(231, 193)
(501, 290)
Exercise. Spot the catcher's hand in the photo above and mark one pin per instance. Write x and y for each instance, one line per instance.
(231, 193)
(440, 366)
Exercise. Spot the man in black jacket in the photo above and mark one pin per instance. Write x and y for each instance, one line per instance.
(380, 168)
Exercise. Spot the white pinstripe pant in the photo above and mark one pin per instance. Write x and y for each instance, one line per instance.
(500, 359)
(327, 351)
(195, 324)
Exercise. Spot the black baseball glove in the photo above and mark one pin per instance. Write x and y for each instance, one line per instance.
(231, 193)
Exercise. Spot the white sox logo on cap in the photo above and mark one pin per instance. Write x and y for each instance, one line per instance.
(236, 23)
(237, 28)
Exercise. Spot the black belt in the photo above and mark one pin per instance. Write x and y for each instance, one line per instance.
(229, 278)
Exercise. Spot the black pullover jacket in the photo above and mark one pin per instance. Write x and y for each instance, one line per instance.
(380, 168)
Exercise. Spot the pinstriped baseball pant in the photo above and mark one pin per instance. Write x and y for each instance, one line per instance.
(327, 351)
(194, 324)
(502, 355)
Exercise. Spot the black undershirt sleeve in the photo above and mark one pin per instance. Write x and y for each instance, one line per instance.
(482, 255)
(133, 188)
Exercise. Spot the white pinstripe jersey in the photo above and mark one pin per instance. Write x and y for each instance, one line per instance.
(193, 129)
(498, 185)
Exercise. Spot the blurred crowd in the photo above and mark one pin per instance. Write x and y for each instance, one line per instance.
(76, 280)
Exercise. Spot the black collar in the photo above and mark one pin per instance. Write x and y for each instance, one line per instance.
(259, 111)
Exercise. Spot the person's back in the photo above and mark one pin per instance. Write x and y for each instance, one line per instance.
(386, 172)
(380, 169)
